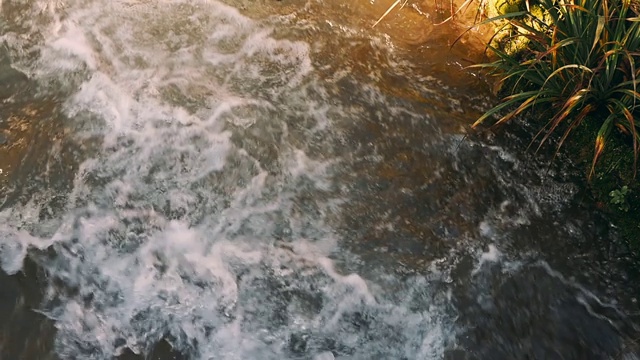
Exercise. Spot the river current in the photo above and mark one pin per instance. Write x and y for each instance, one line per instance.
(199, 179)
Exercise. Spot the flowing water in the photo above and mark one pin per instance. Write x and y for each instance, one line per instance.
(266, 179)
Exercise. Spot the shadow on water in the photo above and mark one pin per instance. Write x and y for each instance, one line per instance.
(29, 134)
(36, 152)
(25, 334)
(423, 191)
(423, 196)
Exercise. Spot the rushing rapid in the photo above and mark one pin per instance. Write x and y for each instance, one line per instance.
(249, 180)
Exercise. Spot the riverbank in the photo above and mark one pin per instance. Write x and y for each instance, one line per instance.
(592, 107)
(614, 189)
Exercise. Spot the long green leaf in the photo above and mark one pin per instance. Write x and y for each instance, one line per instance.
(601, 139)
(506, 102)
(598, 34)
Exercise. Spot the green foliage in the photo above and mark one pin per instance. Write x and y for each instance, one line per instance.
(580, 64)
(619, 197)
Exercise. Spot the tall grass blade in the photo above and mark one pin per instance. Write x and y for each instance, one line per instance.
(601, 138)
(599, 29)
(580, 63)
(386, 12)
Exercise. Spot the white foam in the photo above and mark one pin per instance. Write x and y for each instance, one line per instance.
(71, 47)
(179, 227)
(327, 355)
(492, 255)
(13, 249)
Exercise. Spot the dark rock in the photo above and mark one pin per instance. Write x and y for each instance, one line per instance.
(298, 343)
(119, 342)
(11, 80)
(3, 139)
(161, 351)
(24, 333)
(455, 354)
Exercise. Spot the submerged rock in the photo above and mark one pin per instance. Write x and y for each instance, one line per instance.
(11, 80)
(298, 343)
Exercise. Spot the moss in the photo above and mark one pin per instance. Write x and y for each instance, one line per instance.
(502, 7)
(508, 38)
(514, 44)
(541, 15)
(613, 172)
(509, 6)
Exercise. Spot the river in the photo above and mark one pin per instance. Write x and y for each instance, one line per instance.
(196, 179)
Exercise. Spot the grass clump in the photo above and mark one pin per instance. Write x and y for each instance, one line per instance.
(578, 78)
(580, 65)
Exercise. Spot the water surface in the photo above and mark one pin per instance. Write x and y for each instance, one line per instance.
(278, 180)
